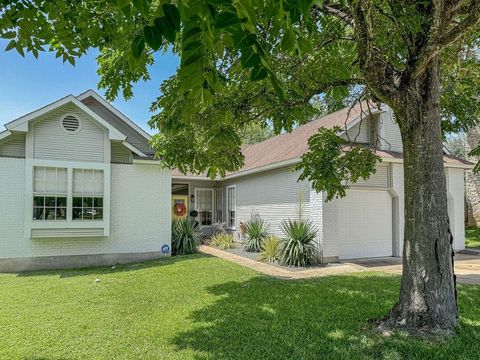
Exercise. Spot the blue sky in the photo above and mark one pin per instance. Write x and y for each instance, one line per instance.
(28, 83)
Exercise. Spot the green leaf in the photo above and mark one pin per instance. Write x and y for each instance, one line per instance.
(288, 40)
(165, 28)
(142, 6)
(9, 35)
(249, 58)
(138, 45)
(122, 3)
(304, 6)
(173, 15)
(11, 45)
(226, 19)
(258, 73)
(153, 37)
(192, 58)
(277, 87)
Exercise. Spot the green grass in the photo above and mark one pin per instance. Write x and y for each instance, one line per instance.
(472, 237)
(199, 307)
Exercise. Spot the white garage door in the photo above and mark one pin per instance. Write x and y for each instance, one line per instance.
(364, 224)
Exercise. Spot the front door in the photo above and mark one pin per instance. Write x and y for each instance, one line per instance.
(179, 206)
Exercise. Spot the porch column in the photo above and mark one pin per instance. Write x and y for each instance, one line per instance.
(316, 217)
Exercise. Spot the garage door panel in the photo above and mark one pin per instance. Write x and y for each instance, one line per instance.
(364, 224)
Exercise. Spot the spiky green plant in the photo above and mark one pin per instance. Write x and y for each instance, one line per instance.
(186, 236)
(270, 249)
(298, 247)
(256, 230)
(222, 240)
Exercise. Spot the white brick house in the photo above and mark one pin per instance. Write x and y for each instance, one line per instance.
(80, 187)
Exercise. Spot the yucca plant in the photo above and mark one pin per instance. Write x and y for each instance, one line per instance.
(222, 241)
(298, 247)
(270, 249)
(186, 236)
(256, 230)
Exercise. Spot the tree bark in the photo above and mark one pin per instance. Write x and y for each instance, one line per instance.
(427, 300)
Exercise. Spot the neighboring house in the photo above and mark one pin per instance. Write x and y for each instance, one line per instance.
(80, 186)
(472, 198)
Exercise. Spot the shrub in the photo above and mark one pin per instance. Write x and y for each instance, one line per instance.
(186, 236)
(298, 248)
(270, 249)
(255, 233)
(222, 241)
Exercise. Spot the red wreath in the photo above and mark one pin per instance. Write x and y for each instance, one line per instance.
(180, 209)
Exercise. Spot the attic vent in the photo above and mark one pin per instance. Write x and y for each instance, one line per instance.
(70, 124)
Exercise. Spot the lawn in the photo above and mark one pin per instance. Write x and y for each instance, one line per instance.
(199, 307)
(472, 237)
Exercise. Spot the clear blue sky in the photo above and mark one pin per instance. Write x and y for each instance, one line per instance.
(28, 83)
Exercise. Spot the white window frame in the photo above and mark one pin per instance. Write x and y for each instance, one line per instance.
(222, 205)
(30, 224)
(227, 207)
(213, 202)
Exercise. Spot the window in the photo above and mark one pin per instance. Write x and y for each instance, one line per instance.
(231, 206)
(204, 205)
(49, 193)
(87, 194)
(218, 212)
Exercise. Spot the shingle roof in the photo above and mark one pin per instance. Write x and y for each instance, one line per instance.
(289, 146)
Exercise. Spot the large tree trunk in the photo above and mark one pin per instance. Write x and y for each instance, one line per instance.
(428, 293)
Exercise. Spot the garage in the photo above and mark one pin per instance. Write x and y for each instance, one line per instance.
(364, 220)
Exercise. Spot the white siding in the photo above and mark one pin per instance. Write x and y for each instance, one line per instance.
(398, 207)
(360, 132)
(378, 180)
(140, 214)
(13, 146)
(273, 195)
(120, 154)
(390, 137)
(52, 142)
(456, 206)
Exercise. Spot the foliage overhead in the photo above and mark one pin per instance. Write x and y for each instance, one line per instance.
(262, 62)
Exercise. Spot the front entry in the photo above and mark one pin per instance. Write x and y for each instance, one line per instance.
(180, 200)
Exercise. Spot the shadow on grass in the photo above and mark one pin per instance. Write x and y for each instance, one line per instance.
(327, 318)
(99, 270)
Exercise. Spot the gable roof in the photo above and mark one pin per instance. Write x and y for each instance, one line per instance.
(21, 124)
(119, 127)
(286, 149)
(136, 136)
(292, 145)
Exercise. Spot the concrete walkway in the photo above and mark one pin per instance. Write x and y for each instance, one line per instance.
(467, 267)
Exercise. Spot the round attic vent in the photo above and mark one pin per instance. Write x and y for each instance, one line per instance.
(70, 124)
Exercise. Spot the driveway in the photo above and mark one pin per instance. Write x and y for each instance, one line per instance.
(467, 267)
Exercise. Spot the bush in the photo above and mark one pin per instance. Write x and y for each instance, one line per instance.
(222, 241)
(186, 236)
(270, 249)
(298, 248)
(255, 234)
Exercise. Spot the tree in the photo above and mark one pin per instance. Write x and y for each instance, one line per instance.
(252, 61)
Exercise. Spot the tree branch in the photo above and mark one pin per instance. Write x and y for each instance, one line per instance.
(437, 43)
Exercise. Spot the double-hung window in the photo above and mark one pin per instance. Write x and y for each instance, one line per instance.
(204, 205)
(52, 199)
(50, 191)
(87, 195)
(231, 206)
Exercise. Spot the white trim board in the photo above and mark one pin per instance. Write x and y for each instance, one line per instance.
(21, 124)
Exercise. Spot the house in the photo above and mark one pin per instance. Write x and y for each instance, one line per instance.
(80, 187)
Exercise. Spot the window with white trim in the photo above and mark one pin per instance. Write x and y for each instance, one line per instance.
(231, 206)
(51, 194)
(50, 191)
(87, 194)
(204, 205)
